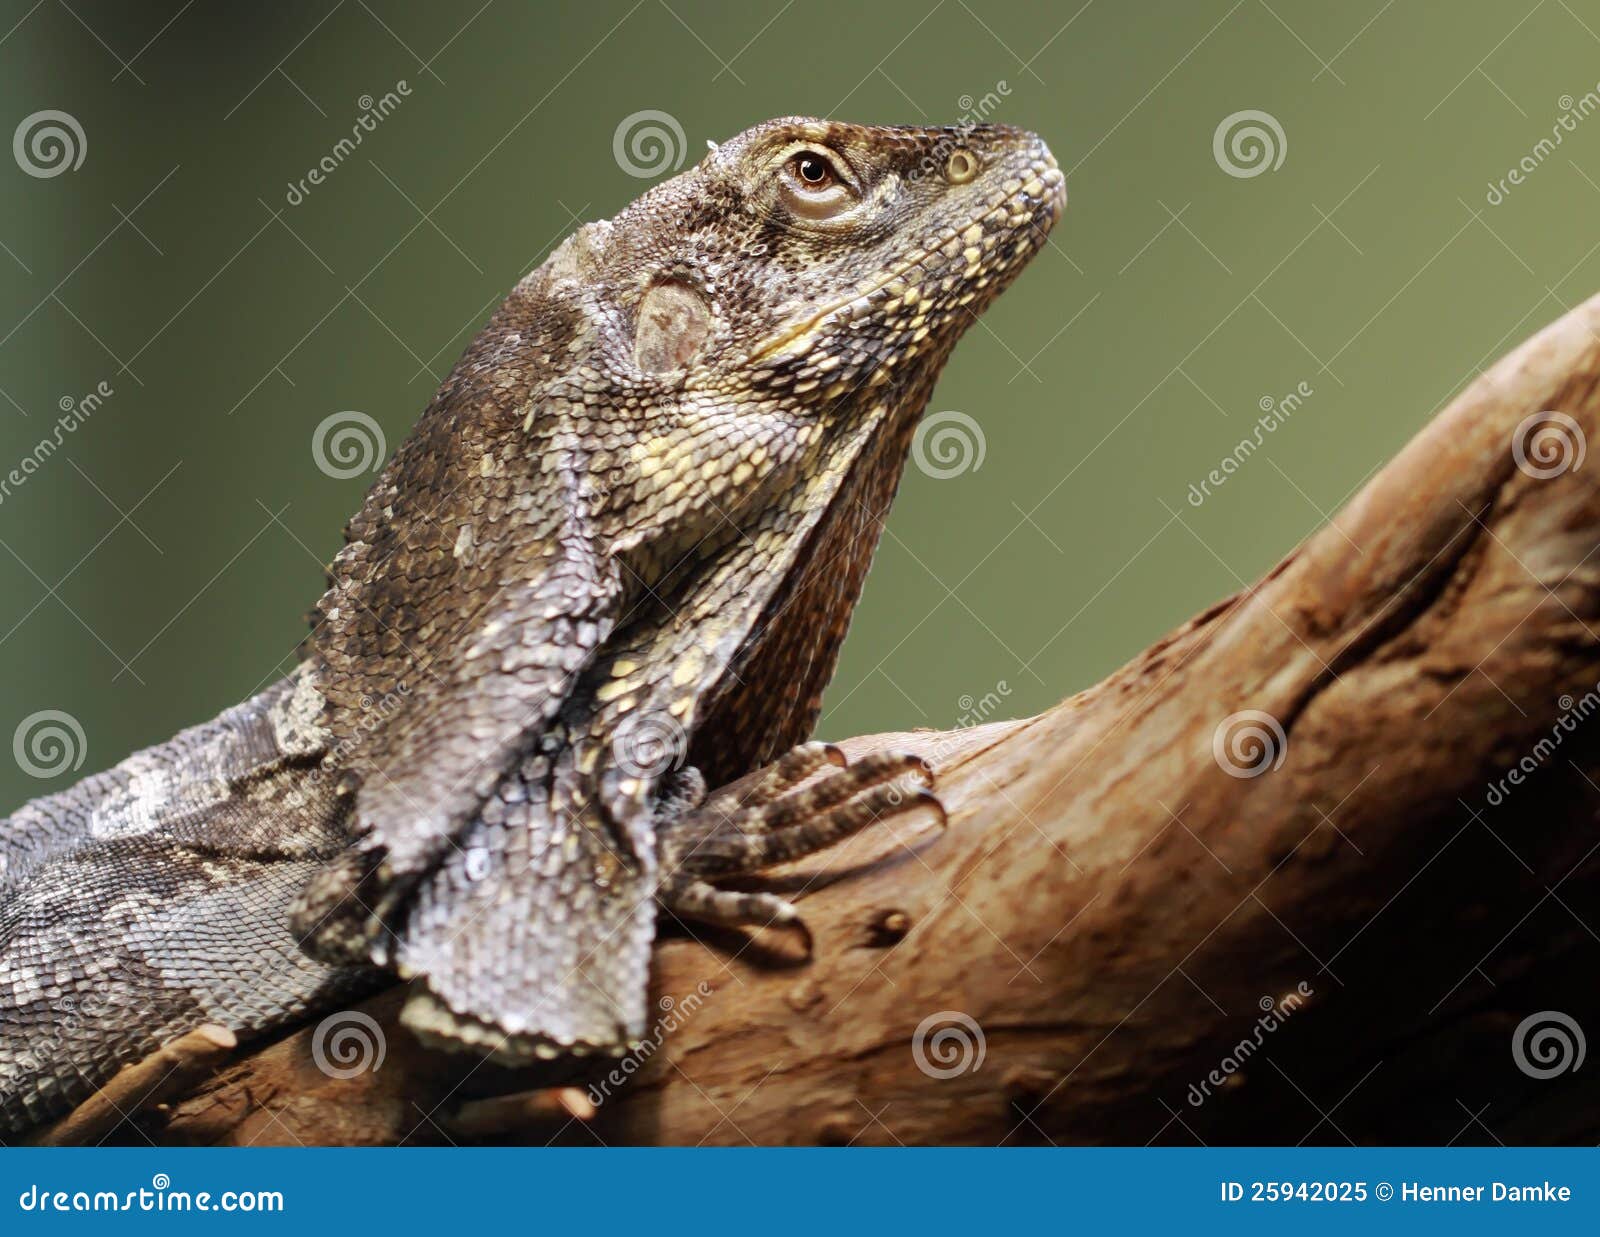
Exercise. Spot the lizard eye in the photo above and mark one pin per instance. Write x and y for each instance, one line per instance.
(813, 187)
(813, 171)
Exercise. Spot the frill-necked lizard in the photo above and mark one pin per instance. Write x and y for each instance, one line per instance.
(613, 563)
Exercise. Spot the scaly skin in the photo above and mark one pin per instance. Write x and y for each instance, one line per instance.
(614, 561)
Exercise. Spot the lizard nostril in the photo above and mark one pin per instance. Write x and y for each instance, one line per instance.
(961, 167)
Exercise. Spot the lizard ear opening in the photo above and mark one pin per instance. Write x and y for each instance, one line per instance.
(674, 322)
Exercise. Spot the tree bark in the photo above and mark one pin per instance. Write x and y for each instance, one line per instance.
(1301, 871)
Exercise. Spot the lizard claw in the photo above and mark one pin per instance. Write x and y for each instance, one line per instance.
(928, 799)
(791, 919)
(513, 1114)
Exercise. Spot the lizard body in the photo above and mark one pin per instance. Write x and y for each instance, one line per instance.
(614, 560)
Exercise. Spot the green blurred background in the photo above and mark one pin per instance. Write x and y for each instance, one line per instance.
(157, 567)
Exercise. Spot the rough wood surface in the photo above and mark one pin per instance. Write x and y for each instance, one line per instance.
(1112, 912)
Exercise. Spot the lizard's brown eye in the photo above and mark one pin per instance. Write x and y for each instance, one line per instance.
(814, 187)
(813, 171)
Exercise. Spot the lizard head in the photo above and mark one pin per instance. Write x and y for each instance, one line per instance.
(809, 250)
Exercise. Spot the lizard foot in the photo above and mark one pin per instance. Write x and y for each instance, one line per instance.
(784, 815)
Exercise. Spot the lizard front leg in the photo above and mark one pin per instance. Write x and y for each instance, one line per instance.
(787, 813)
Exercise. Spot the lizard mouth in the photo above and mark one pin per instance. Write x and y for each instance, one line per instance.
(1040, 190)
